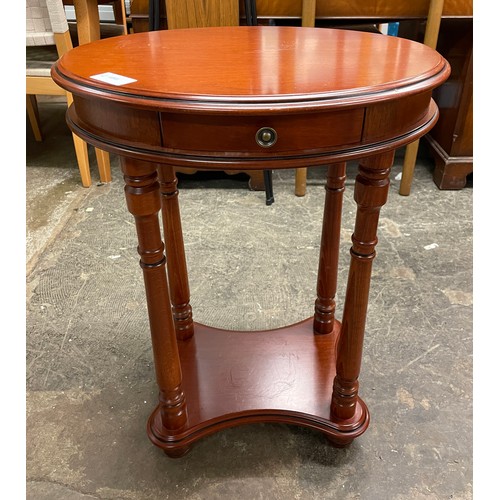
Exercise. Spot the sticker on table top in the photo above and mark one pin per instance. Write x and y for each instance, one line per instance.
(113, 78)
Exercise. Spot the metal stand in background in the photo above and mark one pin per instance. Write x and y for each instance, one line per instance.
(268, 182)
(154, 15)
(251, 12)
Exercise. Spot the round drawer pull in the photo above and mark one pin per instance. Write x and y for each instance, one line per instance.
(266, 137)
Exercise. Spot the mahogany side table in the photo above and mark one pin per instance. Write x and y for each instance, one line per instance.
(253, 98)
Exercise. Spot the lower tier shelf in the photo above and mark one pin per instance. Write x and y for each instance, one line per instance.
(232, 378)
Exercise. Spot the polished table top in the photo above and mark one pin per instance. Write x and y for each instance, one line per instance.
(254, 67)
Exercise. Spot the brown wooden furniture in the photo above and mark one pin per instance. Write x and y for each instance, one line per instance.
(360, 10)
(430, 39)
(46, 26)
(451, 141)
(87, 17)
(205, 102)
(141, 13)
(88, 28)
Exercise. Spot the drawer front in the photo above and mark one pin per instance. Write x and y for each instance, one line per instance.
(119, 124)
(391, 119)
(260, 135)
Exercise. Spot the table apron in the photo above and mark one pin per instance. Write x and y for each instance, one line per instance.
(230, 142)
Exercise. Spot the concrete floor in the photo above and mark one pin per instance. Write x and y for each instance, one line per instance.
(90, 380)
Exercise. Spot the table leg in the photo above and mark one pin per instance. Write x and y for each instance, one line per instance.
(324, 310)
(176, 259)
(142, 194)
(370, 193)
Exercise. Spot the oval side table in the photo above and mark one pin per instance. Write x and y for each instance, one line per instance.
(243, 98)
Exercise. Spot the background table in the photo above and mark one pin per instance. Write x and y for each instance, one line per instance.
(306, 97)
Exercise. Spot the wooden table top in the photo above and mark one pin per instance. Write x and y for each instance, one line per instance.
(253, 68)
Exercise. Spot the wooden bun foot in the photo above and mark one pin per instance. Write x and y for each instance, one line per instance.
(177, 452)
(338, 443)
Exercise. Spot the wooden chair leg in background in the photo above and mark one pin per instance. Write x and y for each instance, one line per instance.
(120, 14)
(82, 155)
(87, 21)
(103, 165)
(300, 181)
(41, 83)
(33, 116)
(430, 39)
(408, 168)
(308, 20)
(82, 158)
(308, 13)
(88, 27)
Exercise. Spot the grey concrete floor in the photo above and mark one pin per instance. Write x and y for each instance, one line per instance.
(90, 381)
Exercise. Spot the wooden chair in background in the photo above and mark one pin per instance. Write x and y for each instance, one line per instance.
(430, 39)
(88, 23)
(46, 26)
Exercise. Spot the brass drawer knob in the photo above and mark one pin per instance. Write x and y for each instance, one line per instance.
(266, 137)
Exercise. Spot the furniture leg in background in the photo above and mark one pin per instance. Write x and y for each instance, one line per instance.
(39, 81)
(89, 30)
(87, 21)
(308, 20)
(431, 37)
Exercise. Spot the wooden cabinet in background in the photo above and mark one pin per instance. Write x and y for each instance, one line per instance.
(451, 139)
(359, 9)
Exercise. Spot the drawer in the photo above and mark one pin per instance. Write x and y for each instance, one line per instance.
(260, 135)
(118, 124)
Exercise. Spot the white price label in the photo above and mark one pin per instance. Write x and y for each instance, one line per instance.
(113, 78)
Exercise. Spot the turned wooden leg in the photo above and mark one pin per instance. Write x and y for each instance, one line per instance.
(142, 193)
(370, 194)
(176, 259)
(324, 311)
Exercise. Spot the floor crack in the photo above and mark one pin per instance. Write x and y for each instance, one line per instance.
(67, 486)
